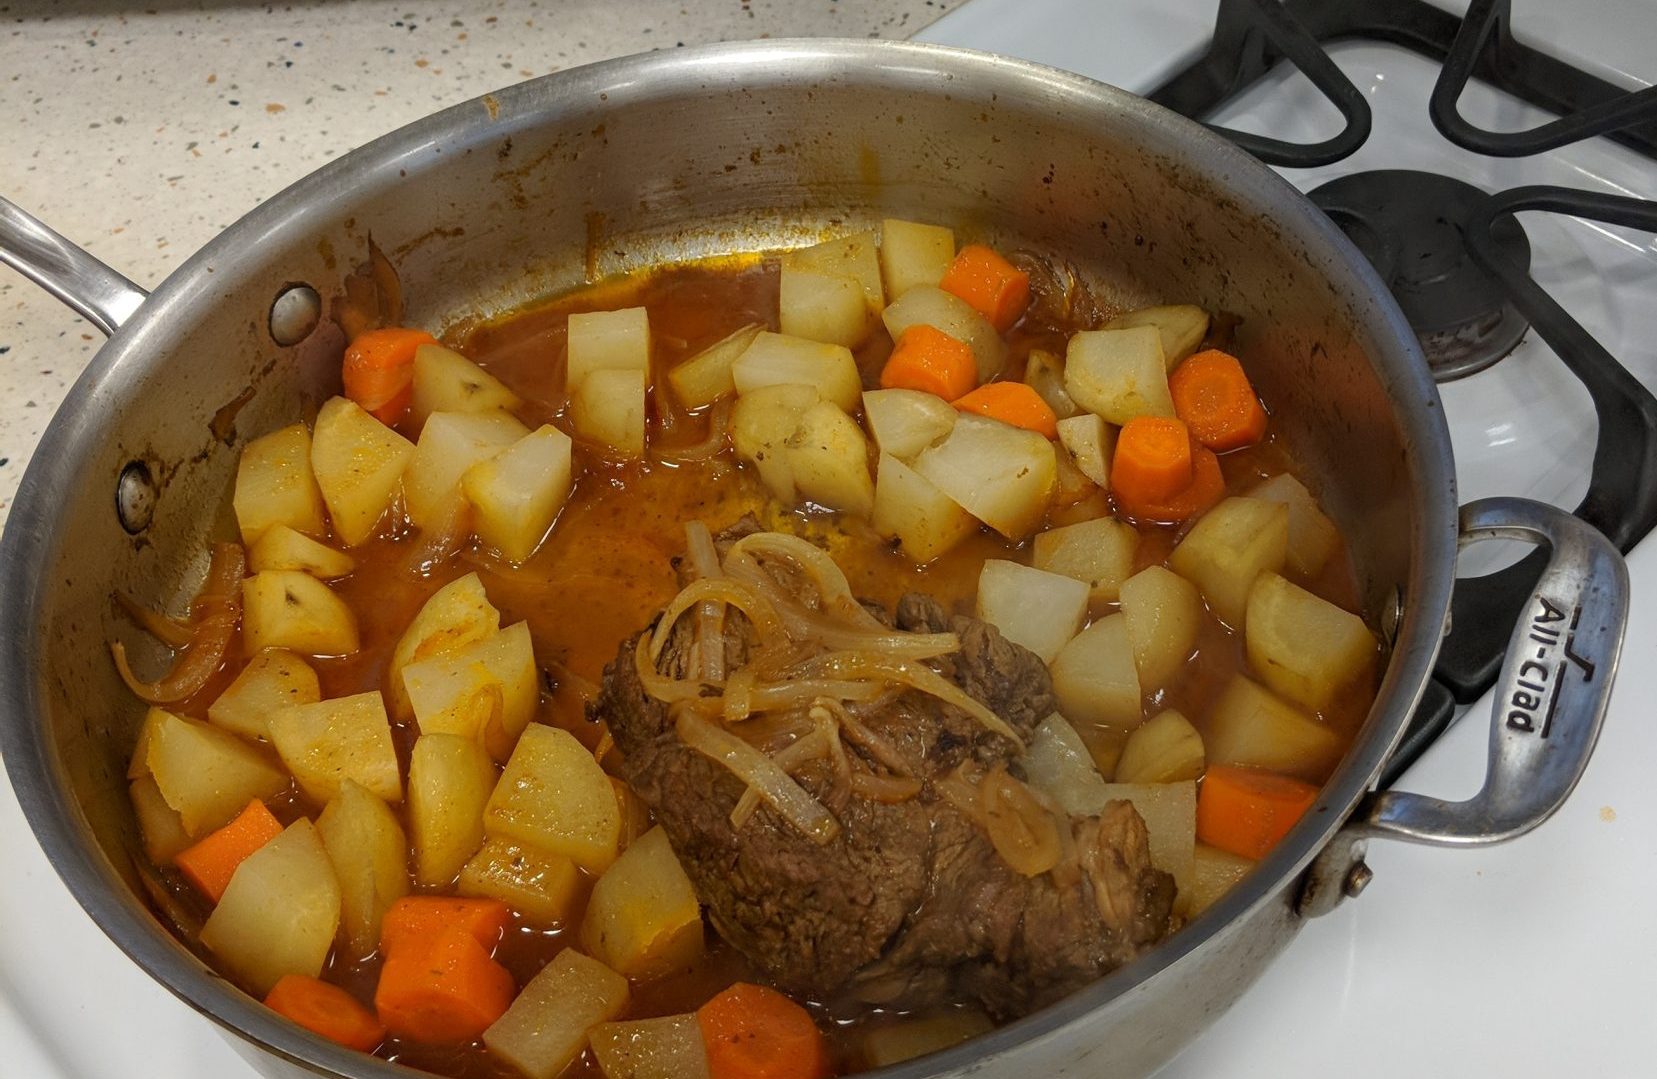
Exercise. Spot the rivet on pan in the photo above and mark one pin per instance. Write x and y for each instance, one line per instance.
(1392, 615)
(1357, 879)
(294, 314)
(135, 496)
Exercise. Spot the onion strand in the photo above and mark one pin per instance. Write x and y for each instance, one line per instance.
(761, 773)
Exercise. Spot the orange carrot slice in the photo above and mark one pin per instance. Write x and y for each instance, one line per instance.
(752, 1032)
(1215, 399)
(1246, 812)
(442, 990)
(1206, 489)
(379, 370)
(994, 287)
(1153, 459)
(212, 861)
(420, 919)
(928, 359)
(1014, 403)
(327, 1010)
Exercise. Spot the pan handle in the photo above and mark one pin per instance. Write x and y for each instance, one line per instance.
(99, 294)
(1549, 703)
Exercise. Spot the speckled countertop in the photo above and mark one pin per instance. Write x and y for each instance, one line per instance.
(141, 130)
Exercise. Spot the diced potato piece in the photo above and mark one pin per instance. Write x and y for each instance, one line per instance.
(159, 824)
(1181, 327)
(855, 256)
(1164, 749)
(609, 407)
(139, 764)
(486, 691)
(922, 518)
(1229, 547)
(1251, 727)
(359, 463)
(275, 485)
(1301, 645)
(822, 307)
(1312, 536)
(1094, 677)
(1099, 553)
(1216, 872)
(272, 679)
(546, 1027)
(1118, 374)
(450, 443)
(934, 307)
(541, 887)
(1164, 614)
(804, 448)
(762, 422)
(1031, 607)
(1044, 373)
(905, 422)
(450, 779)
(1170, 814)
(328, 742)
(907, 1039)
(446, 381)
(279, 913)
(1070, 486)
(456, 615)
(1058, 764)
(207, 775)
(775, 359)
(913, 254)
(516, 496)
(670, 1047)
(1003, 475)
(643, 919)
(370, 857)
(607, 341)
(635, 814)
(555, 797)
(283, 548)
(289, 609)
(1090, 442)
(706, 376)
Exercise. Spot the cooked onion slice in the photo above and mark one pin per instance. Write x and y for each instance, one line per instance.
(832, 586)
(888, 789)
(1022, 831)
(659, 686)
(739, 595)
(217, 609)
(710, 617)
(169, 631)
(761, 773)
(719, 423)
(743, 698)
(871, 665)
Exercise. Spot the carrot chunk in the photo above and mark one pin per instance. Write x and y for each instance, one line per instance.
(327, 1010)
(420, 919)
(212, 861)
(443, 989)
(928, 359)
(994, 287)
(1153, 459)
(1014, 403)
(379, 370)
(752, 1032)
(1206, 489)
(1245, 812)
(1215, 399)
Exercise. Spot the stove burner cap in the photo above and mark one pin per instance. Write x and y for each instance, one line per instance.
(1411, 225)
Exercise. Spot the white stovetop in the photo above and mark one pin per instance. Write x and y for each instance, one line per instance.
(1532, 959)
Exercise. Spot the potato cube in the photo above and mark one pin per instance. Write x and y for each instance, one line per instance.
(370, 857)
(1003, 475)
(607, 341)
(913, 254)
(275, 485)
(1164, 749)
(906, 1039)
(516, 496)
(1182, 328)
(1090, 442)
(822, 307)
(762, 423)
(774, 359)
(1164, 614)
(1071, 488)
(554, 796)
(922, 518)
(456, 615)
(450, 443)
(830, 460)
(486, 691)
(643, 919)
(139, 764)
(706, 376)
(328, 742)
(669, 1047)
(446, 381)
(546, 1027)
(1312, 536)
(1044, 373)
(855, 256)
(272, 679)
(359, 464)
(1094, 676)
(543, 888)
(287, 609)
(1229, 547)
(905, 422)
(1031, 607)
(1170, 814)
(1118, 374)
(609, 408)
(932, 306)
(283, 548)
(1058, 763)
(1099, 553)
(1301, 645)
(450, 779)
(159, 824)
(1214, 874)
(1251, 727)
(207, 775)
(279, 913)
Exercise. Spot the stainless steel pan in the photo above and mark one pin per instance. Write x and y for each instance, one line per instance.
(709, 150)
